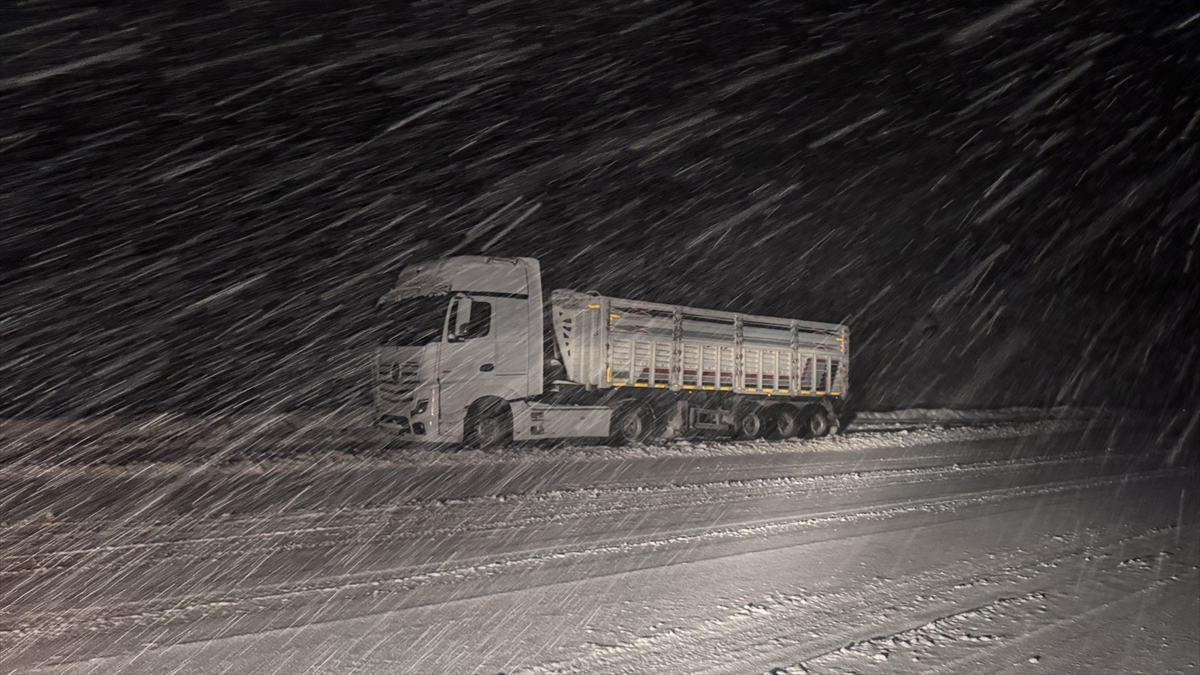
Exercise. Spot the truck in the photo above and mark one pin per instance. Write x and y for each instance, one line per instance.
(470, 353)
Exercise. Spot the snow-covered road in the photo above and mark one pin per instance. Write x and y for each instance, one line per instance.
(1027, 548)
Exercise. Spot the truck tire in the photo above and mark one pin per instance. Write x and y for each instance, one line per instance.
(489, 425)
(630, 425)
(817, 424)
(787, 423)
(752, 424)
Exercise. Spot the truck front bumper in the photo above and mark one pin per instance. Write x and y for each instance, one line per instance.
(418, 422)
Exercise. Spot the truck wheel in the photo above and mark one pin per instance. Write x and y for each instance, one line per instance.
(488, 427)
(630, 425)
(787, 423)
(752, 424)
(818, 424)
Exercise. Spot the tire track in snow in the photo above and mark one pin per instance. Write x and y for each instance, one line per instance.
(966, 664)
(916, 601)
(19, 633)
(1005, 622)
(44, 577)
(592, 502)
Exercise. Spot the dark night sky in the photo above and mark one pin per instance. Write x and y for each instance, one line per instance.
(202, 205)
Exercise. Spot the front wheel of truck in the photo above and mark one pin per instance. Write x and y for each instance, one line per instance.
(489, 425)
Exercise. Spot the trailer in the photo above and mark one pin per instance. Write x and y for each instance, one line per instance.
(471, 354)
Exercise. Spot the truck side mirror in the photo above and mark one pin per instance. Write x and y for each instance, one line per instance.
(460, 312)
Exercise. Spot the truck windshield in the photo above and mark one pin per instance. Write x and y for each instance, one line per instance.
(413, 322)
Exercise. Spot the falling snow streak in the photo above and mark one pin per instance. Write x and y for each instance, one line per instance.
(1050, 90)
(112, 56)
(511, 226)
(835, 135)
(1122, 146)
(184, 71)
(772, 75)
(1016, 192)
(721, 229)
(657, 17)
(976, 29)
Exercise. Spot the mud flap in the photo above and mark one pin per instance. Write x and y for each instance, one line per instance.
(835, 424)
(676, 421)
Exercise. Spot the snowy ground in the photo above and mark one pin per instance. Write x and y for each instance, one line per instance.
(1049, 547)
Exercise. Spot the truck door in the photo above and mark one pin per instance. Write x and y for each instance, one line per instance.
(467, 364)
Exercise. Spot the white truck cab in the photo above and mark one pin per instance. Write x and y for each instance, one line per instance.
(458, 331)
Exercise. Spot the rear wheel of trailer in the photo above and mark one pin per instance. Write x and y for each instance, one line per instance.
(817, 422)
(753, 423)
(787, 422)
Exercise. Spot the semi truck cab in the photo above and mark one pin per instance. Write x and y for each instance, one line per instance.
(457, 332)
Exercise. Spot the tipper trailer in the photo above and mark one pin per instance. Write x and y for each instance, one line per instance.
(470, 354)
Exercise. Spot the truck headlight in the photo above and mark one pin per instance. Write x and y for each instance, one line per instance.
(422, 406)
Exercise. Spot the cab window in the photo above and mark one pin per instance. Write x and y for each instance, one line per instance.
(469, 319)
(412, 322)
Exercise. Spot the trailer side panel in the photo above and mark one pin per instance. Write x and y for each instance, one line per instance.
(613, 342)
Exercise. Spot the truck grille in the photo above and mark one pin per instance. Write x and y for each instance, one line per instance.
(398, 379)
